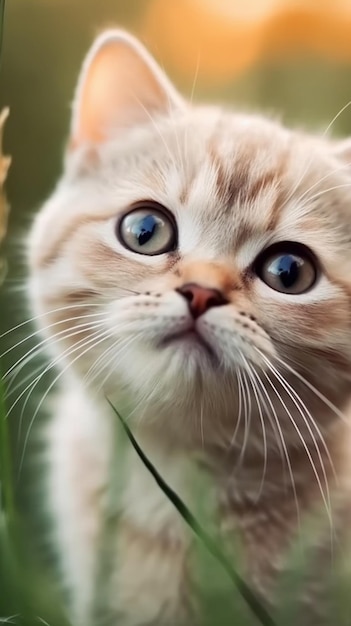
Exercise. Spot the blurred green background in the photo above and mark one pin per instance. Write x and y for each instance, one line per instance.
(43, 46)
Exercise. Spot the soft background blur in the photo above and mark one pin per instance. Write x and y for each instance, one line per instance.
(291, 58)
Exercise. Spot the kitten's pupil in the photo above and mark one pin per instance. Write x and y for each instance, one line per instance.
(145, 229)
(287, 268)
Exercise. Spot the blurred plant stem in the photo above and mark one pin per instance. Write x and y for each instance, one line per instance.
(6, 491)
(5, 162)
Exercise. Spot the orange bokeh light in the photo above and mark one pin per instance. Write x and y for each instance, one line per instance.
(224, 39)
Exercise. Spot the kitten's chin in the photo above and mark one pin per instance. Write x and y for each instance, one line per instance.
(172, 370)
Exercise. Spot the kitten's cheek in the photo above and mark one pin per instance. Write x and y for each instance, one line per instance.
(236, 338)
(150, 317)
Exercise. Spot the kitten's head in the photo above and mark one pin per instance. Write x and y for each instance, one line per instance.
(197, 258)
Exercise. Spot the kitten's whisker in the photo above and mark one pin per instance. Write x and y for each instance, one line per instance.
(41, 330)
(247, 419)
(288, 413)
(304, 170)
(284, 448)
(314, 389)
(10, 391)
(313, 421)
(321, 193)
(195, 79)
(118, 348)
(343, 166)
(111, 348)
(265, 398)
(300, 405)
(36, 350)
(171, 111)
(321, 437)
(157, 128)
(41, 346)
(10, 384)
(192, 93)
(305, 167)
(30, 388)
(326, 498)
(346, 106)
(88, 378)
(202, 421)
(145, 399)
(95, 339)
(61, 335)
(37, 317)
(46, 369)
(240, 403)
(263, 426)
(38, 378)
(106, 366)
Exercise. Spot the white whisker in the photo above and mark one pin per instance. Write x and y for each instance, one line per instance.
(263, 427)
(46, 369)
(37, 317)
(158, 130)
(247, 419)
(40, 331)
(95, 339)
(346, 106)
(305, 166)
(326, 498)
(240, 403)
(282, 440)
(30, 388)
(343, 166)
(319, 194)
(314, 390)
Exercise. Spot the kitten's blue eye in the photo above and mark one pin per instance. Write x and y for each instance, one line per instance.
(148, 229)
(287, 267)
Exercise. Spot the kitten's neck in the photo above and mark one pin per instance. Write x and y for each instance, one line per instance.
(301, 474)
(252, 476)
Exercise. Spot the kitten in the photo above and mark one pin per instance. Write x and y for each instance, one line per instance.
(192, 264)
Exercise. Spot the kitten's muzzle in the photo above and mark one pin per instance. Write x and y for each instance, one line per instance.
(200, 299)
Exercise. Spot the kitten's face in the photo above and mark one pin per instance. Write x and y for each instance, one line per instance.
(190, 256)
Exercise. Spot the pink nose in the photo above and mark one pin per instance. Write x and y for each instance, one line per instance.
(200, 299)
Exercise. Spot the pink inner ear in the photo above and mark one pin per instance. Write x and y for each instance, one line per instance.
(119, 89)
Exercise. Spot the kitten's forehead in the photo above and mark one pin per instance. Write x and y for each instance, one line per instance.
(232, 178)
(232, 181)
(261, 178)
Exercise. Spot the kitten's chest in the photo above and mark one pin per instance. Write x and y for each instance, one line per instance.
(151, 542)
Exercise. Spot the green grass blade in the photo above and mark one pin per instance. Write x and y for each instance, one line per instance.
(6, 490)
(248, 595)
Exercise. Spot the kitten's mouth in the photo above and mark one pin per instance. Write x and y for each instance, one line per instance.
(190, 340)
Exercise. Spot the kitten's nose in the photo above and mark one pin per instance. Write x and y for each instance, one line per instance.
(200, 299)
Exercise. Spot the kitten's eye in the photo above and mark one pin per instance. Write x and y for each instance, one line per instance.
(287, 267)
(148, 229)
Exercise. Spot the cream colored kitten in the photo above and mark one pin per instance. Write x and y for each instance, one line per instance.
(195, 264)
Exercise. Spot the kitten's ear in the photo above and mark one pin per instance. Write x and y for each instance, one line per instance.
(120, 85)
